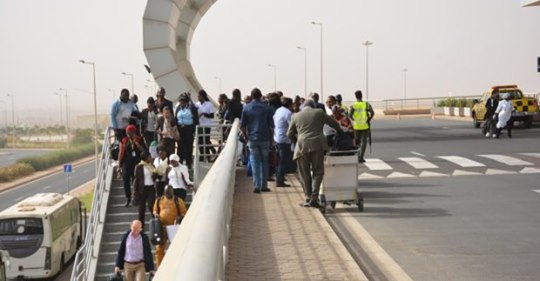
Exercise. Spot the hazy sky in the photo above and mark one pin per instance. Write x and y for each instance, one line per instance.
(458, 46)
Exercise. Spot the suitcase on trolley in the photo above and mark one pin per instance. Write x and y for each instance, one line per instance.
(155, 231)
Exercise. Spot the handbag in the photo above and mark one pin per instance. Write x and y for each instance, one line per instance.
(116, 277)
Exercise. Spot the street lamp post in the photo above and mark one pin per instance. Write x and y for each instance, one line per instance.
(61, 115)
(322, 59)
(112, 92)
(5, 113)
(67, 114)
(275, 75)
(367, 44)
(95, 112)
(132, 79)
(12, 116)
(305, 69)
(405, 85)
(219, 82)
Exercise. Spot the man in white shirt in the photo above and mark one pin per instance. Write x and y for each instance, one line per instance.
(206, 114)
(282, 119)
(178, 176)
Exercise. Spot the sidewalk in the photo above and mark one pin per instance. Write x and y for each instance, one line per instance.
(273, 238)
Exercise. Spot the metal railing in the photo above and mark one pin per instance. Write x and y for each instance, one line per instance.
(86, 259)
(199, 250)
(203, 161)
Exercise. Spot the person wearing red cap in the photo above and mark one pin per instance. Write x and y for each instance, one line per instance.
(131, 148)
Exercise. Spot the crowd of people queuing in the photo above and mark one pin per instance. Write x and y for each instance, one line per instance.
(282, 135)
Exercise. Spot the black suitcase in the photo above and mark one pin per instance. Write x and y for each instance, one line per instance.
(155, 231)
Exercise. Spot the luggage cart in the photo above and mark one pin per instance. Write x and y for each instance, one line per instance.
(340, 180)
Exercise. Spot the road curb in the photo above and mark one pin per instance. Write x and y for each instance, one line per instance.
(41, 174)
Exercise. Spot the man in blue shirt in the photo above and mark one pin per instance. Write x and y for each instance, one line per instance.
(121, 114)
(282, 119)
(257, 125)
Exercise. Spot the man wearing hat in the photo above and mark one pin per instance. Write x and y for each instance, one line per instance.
(162, 101)
(149, 121)
(178, 176)
(131, 148)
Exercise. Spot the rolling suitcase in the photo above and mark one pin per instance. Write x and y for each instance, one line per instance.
(155, 231)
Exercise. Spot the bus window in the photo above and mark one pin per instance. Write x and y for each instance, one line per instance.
(21, 237)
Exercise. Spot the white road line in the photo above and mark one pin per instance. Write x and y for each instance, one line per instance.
(417, 154)
(399, 175)
(537, 155)
(499, 172)
(462, 161)
(508, 160)
(377, 164)
(418, 163)
(431, 174)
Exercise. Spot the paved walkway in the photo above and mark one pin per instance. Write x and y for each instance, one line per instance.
(273, 238)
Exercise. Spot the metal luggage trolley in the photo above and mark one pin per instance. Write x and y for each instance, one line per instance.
(340, 180)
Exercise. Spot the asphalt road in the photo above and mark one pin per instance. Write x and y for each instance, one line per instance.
(10, 156)
(438, 223)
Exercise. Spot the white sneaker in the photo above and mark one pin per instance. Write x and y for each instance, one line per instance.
(488, 135)
(494, 136)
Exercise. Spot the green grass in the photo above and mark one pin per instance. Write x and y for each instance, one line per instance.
(87, 200)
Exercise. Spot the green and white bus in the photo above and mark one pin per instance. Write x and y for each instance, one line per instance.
(41, 234)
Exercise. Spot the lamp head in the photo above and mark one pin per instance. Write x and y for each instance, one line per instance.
(82, 61)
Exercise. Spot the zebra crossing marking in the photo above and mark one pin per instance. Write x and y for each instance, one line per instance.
(529, 170)
(537, 155)
(508, 160)
(465, 173)
(431, 174)
(368, 176)
(375, 164)
(499, 172)
(418, 163)
(462, 161)
(400, 175)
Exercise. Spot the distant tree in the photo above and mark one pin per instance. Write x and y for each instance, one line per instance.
(82, 136)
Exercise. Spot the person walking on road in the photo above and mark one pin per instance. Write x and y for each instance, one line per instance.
(258, 126)
(310, 148)
(167, 209)
(504, 111)
(135, 254)
(491, 105)
(131, 148)
(361, 113)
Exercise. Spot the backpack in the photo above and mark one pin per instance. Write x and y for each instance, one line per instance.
(179, 217)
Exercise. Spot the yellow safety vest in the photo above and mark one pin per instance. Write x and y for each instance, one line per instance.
(360, 115)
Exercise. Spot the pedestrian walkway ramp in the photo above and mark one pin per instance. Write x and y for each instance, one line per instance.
(273, 238)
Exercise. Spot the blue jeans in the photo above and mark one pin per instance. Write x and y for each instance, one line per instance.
(258, 156)
(285, 157)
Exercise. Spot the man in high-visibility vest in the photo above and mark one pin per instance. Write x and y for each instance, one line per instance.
(361, 113)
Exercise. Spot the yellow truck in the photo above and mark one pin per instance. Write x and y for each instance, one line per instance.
(525, 108)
